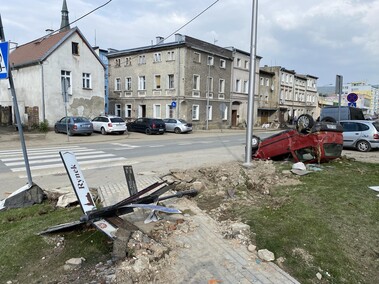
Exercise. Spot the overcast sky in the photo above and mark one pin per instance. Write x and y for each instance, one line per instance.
(322, 38)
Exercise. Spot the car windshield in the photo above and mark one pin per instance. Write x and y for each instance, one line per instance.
(117, 119)
(306, 154)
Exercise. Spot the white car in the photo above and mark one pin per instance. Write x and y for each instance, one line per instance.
(362, 135)
(109, 124)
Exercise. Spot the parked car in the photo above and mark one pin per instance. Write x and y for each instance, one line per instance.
(74, 125)
(330, 114)
(362, 135)
(109, 124)
(177, 125)
(147, 125)
(310, 143)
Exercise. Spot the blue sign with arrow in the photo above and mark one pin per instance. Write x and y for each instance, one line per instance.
(4, 63)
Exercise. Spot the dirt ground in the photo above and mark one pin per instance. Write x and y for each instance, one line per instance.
(152, 253)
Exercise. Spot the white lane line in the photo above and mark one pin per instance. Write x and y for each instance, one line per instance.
(50, 156)
(31, 153)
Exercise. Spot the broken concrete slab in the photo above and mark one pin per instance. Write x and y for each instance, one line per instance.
(24, 197)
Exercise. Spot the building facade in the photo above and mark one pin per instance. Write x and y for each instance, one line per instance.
(187, 78)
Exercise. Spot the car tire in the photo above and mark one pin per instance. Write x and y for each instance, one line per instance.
(255, 140)
(102, 130)
(56, 129)
(89, 134)
(328, 119)
(148, 131)
(69, 133)
(363, 146)
(177, 130)
(304, 123)
(121, 132)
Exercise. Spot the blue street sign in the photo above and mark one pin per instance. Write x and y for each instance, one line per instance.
(354, 104)
(4, 63)
(173, 104)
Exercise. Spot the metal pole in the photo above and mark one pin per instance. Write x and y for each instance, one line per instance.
(250, 109)
(17, 113)
(208, 90)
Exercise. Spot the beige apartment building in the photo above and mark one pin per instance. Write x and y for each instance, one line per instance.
(187, 78)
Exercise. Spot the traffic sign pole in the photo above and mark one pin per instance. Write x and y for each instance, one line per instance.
(17, 113)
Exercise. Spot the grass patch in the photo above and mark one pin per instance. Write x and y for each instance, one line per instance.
(328, 224)
(27, 257)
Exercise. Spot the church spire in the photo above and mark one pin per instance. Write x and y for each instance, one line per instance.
(65, 23)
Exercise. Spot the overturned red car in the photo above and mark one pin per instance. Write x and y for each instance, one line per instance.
(310, 143)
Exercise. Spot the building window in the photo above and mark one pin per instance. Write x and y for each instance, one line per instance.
(75, 48)
(128, 110)
(267, 82)
(117, 109)
(157, 111)
(224, 113)
(221, 87)
(141, 83)
(238, 85)
(66, 82)
(117, 84)
(117, 62)
(157, 81)
(128, 61)
(170, 55)
(196, 82)
(210, 112)
(141, 59)
(195, 112)
(246, 64)
(128, 83)
(222, 63)
(157, 57)
(246, 87)
(87, 81)
(196, 57)
(261, 81)
(210, 60)
(238, 62)
(210, 84)
(171, 81)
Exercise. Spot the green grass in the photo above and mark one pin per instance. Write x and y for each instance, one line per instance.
(28, 257)
(328, 224)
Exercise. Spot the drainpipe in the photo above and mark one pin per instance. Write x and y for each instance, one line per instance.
(43, 92)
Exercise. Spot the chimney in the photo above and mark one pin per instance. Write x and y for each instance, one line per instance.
(159, 40)
(179, 37)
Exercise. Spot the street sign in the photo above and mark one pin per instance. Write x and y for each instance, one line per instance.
(352, 97)
(173, 104)
(352, 104)
(4, 63)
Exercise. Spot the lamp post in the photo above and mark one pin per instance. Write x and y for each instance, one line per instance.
(252, 67)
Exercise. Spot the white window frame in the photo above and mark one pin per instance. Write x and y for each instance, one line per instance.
(170, 55)
(238, 62)
(157, 82)
(128, 61)
(157, 57)
(195, 112)
(224, 115)
(117, 62)
(238, 85)
(128, 83)
(246, 86)
(171, 81)
(223, 63)
(87, 81)
(117, 84)
(141, 59)
(117, 109)
(210, 60)
(66, 75)
(210, 112)
(142, 83)
(128, 110)
(157, 110)
(221, 86)
(196, 82)
(197, 57)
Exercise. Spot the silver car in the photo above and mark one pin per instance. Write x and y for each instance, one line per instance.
(360, 134)
(177, 125)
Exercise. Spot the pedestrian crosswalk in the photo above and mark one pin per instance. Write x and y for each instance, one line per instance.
(48, 160)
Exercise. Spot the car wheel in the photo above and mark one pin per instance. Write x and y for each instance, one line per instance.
(121, 132)
(177, 130)
(328, 119)
(148, 131)
(363, 146)
(69, 133)
(304, 123)
(103, 131)
(89, 134)
(255, 142)
(56, 129)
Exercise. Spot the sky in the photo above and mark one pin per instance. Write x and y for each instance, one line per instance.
(321, 38)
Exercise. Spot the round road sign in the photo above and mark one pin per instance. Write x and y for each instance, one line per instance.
(352, 97)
